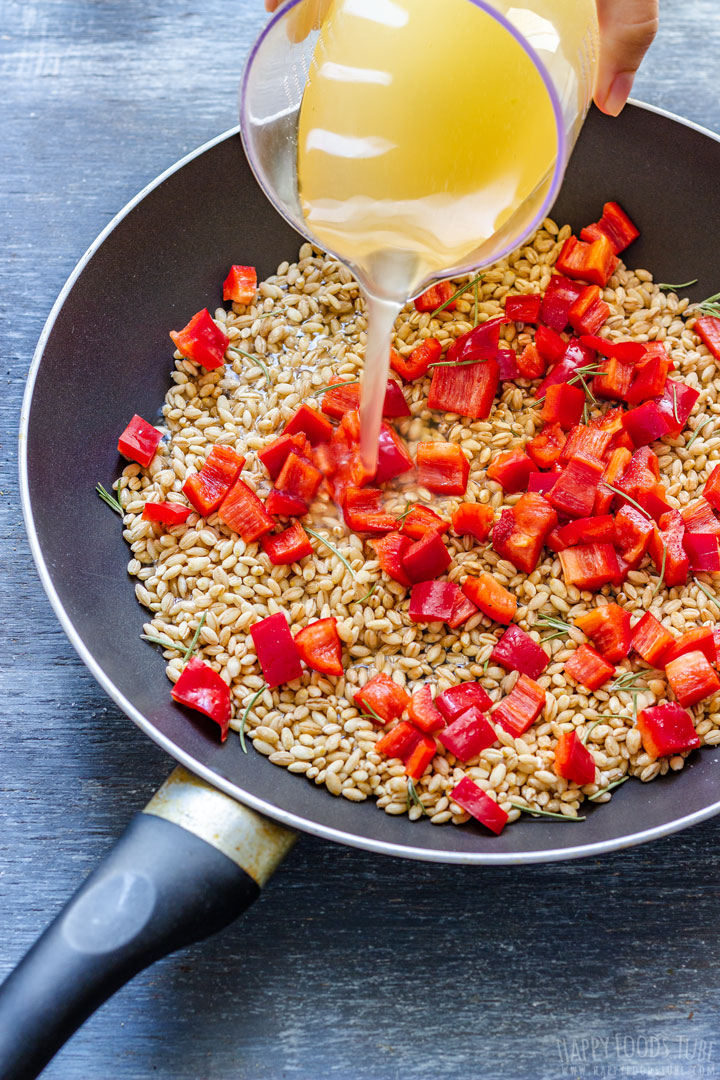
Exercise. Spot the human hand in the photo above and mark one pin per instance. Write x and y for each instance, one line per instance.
(627, 29)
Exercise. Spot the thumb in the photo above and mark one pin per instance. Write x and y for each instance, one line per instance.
(627, 29)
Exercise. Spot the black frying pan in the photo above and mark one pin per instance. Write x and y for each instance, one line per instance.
(197, 858)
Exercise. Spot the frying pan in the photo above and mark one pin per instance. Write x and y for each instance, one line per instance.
(201, 850)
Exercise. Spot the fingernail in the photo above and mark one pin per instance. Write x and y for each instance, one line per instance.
(618, 93)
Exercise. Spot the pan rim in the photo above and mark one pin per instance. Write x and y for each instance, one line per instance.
(284, 817)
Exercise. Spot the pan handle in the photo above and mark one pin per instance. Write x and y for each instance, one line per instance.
(184, 868)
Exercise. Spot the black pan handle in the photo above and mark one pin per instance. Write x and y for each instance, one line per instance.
(181, 871)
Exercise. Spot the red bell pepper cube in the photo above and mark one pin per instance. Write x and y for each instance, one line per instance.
(711, 491)
(442, 468)
(491, 597)
(525, 308)
(651, 640)
(344, 398)
(319, 645)
(480, 343)
(474, 801)
(202, 341)
(676, 404)
(436, 296)
(274, 455)
(508, 369)
(511, 470)
(563, 405)
(200, 687)
(389, 551)
(700, 639)
(574, 357)
(646, 424)
(473, 519)
(420, 757)
(457, 699)
(608, 627)
(587, 443)
(423, 713)
(393, 457)
(574, 492)
(615, 225)
(614, 380)
(692, 678)
(426, 558)
(467, 388)
(207, 488)
(554, 541)
(559, 297)
(432, 601)
(703, 552)
(299, 477)
(530, 363)
(382, 697)
(589, 311)
(288, 546)
(516, 651)
(139, 441)
(517, 712)
(463, 609)
(364, 512)
(550, 345)
(395, 406)
(633, 535)
(698, 517)
(276, 650)
(589, 530)
(640, 475)
(521, 531)
(422, 520)
(166, 513)
(542, 483)
(311, 423)
(242, 511)
(280, 504)
(400, 741)
(415, 366)
(547, 446)
(240, 285)
(649, 379)
(468, 735)
(594, 262)
(590, 566)
(667, 549)
(667, 729)
(587, 667)
(631, 352)
(573, 760)
(707, 329)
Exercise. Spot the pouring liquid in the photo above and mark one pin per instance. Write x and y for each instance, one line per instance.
(426, 137)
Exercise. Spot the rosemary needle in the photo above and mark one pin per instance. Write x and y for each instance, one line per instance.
(332, 547)
(661, 579)
(333, 386)
(191, 647)
(604, 791)
(256, 360)
(245, 715)
(164, 642)
(710, 306)
(412, 796)
(455, 295)
(367, 595)
(705, 420)
(674, 288)
(544, 813)
(109, 499)
(370, 712)
(704, 589)
(629, 499)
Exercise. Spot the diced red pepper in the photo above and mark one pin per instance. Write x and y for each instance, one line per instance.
(200, 687)
(559, 298)
(364, 513)
(707, 329)
(320, 646)
(469, 735)
(646, 424)
(426, 558)
(524, 309)
(400, 741)
(631, 352)
(574, 357)
(594, 262)
(384, 697)
(667, 549)
(240, 285)
(389, 551)
(589, 311)
(698, 517)
(542, 483)
(589, 530)
(530, 363)
(587, 443)
(590, 566)
(420, 757)
(521, 531)
(550, 345)
(615, 225)
(640, 475)
(480, 343)
(202, 341)
(676, 404)
(466, 388)
(554, 542)
(667, 729)
(457, 699)
(633, 532)
(648, 379)
(711, 491)
(276, 650)
(547, 446)
(311, 423)
(574, 492)
(520, 709)
(703, 552)
(479, 805)
(463, 610)
(288, 546)
(395, 406)
(491, 597)
(415, 366)
(442, 468)
(436, 296)
(207, 488)
(587, 667)
(516, 651)
(299, 477)
(573, 760)
(274, 455)
(242, 511)
(473, 519)
(692, 678)
(166, 513)
(511, 470)
(507, 365)
(614, 380)
(345, 397)
(139, 441)
(393, 457)
(563, 405)
(432, 601)
(280, 504)
(651, 640)
(421, 520)
(423, 713)
(701, 639)
(608, 627)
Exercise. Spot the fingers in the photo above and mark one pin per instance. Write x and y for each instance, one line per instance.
(627, 29)
(271, 5)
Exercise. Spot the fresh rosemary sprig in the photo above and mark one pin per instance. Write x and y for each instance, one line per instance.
(675, 407)
(711, 306)
(333, 386)
(455, 295)
(552, 622)
(706, 591)
(255, 359)
(476, 316)
(245, 715)
(367, 595)
(603, 791)
(676, 288)
(628, 498)
(544, 813)
(630, 682)
(164, 642)
(268, 314)
(705, 420)
(111, 501)
(413, 797)
(456, 363)
(486, 665)
(332, 547)
(191, 647)
(661, 579)
(368, 711)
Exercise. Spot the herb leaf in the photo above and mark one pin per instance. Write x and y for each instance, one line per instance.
(455, 295)
(603, 791)
(412, 796)
(245, 715)
(333, 386)
(675, 288)
(191, 647)
(544, 813)
(629, 499)
(255, 359)
(367, 595)
(332, 547)
(164, 642)
(711, 306)
(111, 501)
(706, 591)
(698, 429)
(367, 710)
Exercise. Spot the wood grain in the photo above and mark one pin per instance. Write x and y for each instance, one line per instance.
(352, 966)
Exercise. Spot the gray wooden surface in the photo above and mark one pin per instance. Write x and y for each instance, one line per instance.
(351, 966)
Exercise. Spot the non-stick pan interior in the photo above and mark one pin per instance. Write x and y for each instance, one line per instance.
(107, 355)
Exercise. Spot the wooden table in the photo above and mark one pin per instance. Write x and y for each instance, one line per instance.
(353, 966)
